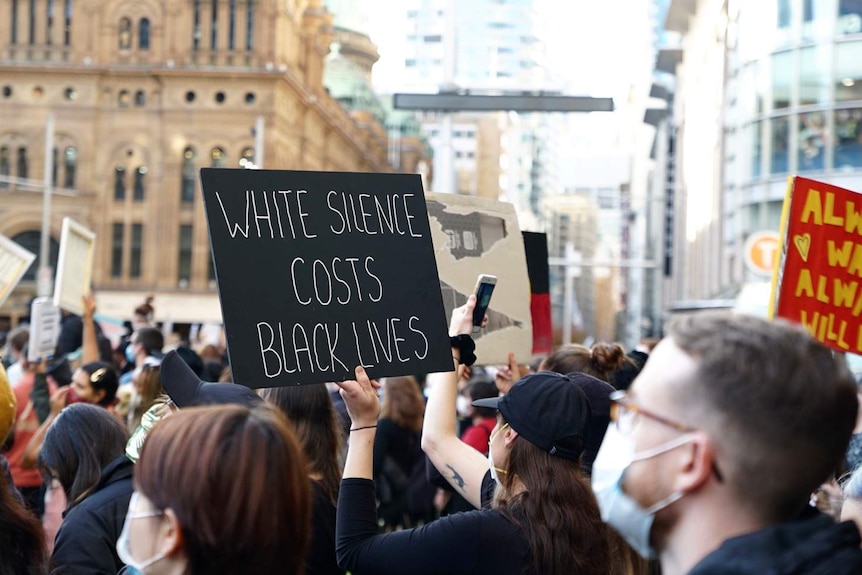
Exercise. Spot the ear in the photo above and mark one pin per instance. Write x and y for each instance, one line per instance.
(697, 462)
(509, 437)
(173, 544)
(99, 395)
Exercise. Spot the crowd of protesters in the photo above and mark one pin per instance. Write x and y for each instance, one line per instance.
(731, 446)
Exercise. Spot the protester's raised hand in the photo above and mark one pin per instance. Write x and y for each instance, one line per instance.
(59, 400)
(89, 302)
(507, 375)
(462, 318)
(361, 397)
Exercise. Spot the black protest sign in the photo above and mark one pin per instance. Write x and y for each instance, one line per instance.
(319, 272)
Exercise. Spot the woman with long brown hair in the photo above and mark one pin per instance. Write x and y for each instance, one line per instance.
(543, 518)
(312, 416)
(219, 490)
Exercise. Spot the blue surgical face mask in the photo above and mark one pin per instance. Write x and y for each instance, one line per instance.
(130, 353)
(620, 511)
(124, 552)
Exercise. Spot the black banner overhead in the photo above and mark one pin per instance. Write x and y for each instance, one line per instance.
(319, 272)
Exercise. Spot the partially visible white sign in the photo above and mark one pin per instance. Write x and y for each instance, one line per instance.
(44, 329)
(14, 261)
(74, 266)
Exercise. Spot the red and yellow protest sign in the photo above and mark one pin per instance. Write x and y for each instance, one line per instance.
(818, 281)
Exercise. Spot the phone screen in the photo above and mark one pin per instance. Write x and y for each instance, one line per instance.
(483, 298)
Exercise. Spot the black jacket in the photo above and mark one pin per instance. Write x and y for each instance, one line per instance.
(87, 539)
(812, 545)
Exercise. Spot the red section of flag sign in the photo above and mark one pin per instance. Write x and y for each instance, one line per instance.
(819, 279)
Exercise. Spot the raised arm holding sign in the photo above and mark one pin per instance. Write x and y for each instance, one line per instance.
(321, 272)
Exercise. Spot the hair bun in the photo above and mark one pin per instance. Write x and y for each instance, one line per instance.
(608, 357)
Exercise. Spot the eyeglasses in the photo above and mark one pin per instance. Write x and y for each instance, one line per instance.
(624, 413)
(132, 512)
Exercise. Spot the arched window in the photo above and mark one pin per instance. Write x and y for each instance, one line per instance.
(120, 182)
(124, 99)
(187, 184)
(5, 167)
(218, 157)
(125, 33)
(22, 162)
(144, 34)
(140, 99)
(138, 192)
(70, 159)
(246, 158)
(249, 26)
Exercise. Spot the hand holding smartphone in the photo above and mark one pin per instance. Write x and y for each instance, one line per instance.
(484, 288)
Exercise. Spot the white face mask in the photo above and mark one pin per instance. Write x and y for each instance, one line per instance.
(619, 510)
(134, 567)
(462, 404)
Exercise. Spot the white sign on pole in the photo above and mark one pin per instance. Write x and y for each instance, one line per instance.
(74, 266)
(44, 329)
(14, 261)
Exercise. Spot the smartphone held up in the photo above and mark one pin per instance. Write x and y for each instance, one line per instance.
(484, 289)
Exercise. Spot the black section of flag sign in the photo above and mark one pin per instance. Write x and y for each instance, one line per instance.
(319, 272)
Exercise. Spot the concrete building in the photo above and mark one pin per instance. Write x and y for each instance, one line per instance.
(144, 94)
(764, 89)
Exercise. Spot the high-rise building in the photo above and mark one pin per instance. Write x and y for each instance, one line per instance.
(480, 46)
(143, 95)
(764, 89)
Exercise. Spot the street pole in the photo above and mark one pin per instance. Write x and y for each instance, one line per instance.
(258, 142)
(44, 280)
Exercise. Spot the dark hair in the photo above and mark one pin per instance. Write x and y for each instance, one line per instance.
(103, 377)
(402, 402)
(556, 510)
(79, 444)
(22, 542)
(146, 309)
(252, 514)
(758, 385)
(151, 339)
(482, 389)
(315, 421)
(600, 361)
(18, 338)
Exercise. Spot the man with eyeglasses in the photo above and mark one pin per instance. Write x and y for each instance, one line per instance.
(711, 457)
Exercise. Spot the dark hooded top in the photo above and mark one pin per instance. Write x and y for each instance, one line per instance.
(811, 545)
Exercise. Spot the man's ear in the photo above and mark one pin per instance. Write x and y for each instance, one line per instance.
(99, 395)
(697, 463)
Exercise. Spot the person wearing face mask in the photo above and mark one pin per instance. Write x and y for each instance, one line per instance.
(714, 451)
(219, 490)
(544, 517)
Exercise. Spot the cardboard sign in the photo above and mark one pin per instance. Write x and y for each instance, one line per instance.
(74, 266)
(475, 236)
(817, 281)
(14, 262)
(320, 272)
(44, 329)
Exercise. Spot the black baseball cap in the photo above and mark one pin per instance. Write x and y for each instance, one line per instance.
(187, 390)
(545, 408)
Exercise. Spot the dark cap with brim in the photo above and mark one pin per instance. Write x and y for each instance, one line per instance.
(547, 410)
(187, 390)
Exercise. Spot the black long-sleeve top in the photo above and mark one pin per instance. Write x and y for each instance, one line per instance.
(465, 543)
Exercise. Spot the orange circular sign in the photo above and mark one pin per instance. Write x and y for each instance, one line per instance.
(762, 249)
